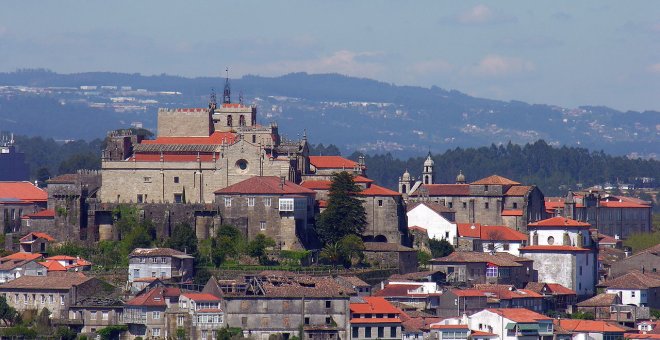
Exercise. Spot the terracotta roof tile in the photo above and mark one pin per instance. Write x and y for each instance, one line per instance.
(518, 190)
(512, 212)
(316, 184)
(376, 190)
(22, 191)
(53, 266)
(444, 190)
(469, 230)
(501, 233)
(152, 298)
(468, 292)
(519, 314)
(202, 297)
(216, 138)
(633, 280)
(354, 281)
(498, 259)
(559, 221)
(600, 300)
(495, 180)
(590, 326)
(59, 282)
(65, 178)
(449, 326)
(35, 235)
(332, 162)
(265, 185)
(373, 305)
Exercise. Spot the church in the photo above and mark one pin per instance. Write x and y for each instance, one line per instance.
(494, 200)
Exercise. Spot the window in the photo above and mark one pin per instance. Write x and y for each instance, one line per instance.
(156, 315)
(380, 203)
(491, 271)
(176, 179)
(43, 299)
(464, 205)
(485, 188)
(154, 260)
(515, 205)
(447, 235)
(147, 179)
(139, 198)
(486, 205)
(178, 198)
(250, 201)
(244, 321)
(179, 320)
(156, 332)
(505, 246)
(580, 270)
(367, 332)
(551, 240)
(381, 332)
(451, 205)
(267, 201)
(51, 299)
(307, 321)
(328, 303)
(393, 332)
(104, 316)
(328, 320)
(286, 204)
(142, 260)
(227, 201)
(162, 274)
(356, 332)
(632, 293)
(262, 225)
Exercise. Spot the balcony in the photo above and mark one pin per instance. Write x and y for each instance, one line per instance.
(135, 319)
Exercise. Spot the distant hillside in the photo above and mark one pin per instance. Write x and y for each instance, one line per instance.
(352, 113)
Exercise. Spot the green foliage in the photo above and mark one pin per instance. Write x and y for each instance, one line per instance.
(332, 254)
(352, 249)
(440, 248)
(641, 241)
(111, 332)
(423, 257)
(655, 313)
(180, 333)
(8, 314)
(294, 257)
(345, 214)
(228, 242)
(229, 333)
(257, 247)
(19, 332)
(582, 315)
(183, 238)
(65, 333)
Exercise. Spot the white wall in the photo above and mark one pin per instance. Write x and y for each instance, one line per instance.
(641, 296)
(558, 234)
(437, 226)
(499, 247)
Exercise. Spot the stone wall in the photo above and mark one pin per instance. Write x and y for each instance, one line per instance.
(184, 123)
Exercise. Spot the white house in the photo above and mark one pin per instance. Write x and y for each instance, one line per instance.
(437, 219)
(492, 238)
(636, 288)
(563, 253)
(512, 323)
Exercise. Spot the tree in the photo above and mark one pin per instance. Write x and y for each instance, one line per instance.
(440, 248)
(352, 249)
(8, 314)
(183, 238)
(423, 257)
(257, 247)
(345, 213)
(332, 253)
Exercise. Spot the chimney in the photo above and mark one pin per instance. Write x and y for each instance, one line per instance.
(282, 182)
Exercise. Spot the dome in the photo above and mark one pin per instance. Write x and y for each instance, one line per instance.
(428, 161)
(460, 178)
(406, 176)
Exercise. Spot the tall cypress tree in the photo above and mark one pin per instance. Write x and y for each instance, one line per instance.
(345, 214)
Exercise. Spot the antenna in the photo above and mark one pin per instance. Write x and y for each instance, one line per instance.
(226, 95)
(213, 103)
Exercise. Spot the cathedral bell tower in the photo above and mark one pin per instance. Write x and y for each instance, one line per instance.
(405, 183)
(427, 174)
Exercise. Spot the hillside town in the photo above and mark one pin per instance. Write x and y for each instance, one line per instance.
(219, 227)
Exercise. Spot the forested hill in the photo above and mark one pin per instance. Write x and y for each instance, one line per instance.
(553, 169)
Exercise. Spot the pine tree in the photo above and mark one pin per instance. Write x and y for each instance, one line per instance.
(345, 214)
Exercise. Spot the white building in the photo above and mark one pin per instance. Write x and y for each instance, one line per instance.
(437, 219)
(490, 238)
(636, 288)
(512, 323)
(563, 253)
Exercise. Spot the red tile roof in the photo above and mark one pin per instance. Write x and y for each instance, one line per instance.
(633, 280)
(518, 190)
(156, 157)
(519, 314)
(63, 281)
(375, 190)
(558, 289)
(501, 233)
(444, 190)
(590, 326)
(34, 235)
(512, 212)
(152, 298)
(623, 204)
(468, 292)
(45, 214)
(449, 326)
(215, 138)
(495, 180)
(469, 230)
(53, 266)
(600, 300)
(202, 297)
(317, 184)
(331, 162)
(552, 248)
(21, 256)
(373, 305)
(22, 191)
(362, 179)
(265, 185)
(374, 320)
(559, 221)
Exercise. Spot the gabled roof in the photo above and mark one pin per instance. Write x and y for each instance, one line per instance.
(264, 185)
(45, 214)
(373, 305)
(376, 190)
(521, 315)
(35, 235)
(53, 266)
(21, 256)
(152, 298)
(633, 280)
(551, 288)
(444, 190)
(63, 281)
(498, 259)
(589, 326)
(22, 191)
(519, 190)
(468, 292)
(316, 184)
(201, 297)
(332, 162)
(353, 281)
(216, 138)
(600, 300)
(437, 207)
(512, 212)
(495, 180)
(472, 230)
(558, 221)
(501, 233)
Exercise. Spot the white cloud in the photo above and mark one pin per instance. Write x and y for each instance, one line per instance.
(655, 68)
(495, 65)
(476, 15)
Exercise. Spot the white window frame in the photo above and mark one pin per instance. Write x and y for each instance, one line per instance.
(227, 201)
(262, 225)
(250, 201)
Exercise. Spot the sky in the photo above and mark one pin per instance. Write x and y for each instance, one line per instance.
(567, 53)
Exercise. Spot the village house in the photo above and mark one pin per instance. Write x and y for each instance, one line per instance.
(456, 302)
(451, 331)
(269, 205)
(636, 288)
(163, 263)
(202, 313)
(592, 329)
(436, 219)
(600, 306)
(20, 264)
(145, 314)
(353, 282)
(280, 303)
(374, 318)
(35, 242)
(555, 296)
(507, 296)
(564, 252)
(512, 323)
(485, 238)
(473, 267)
(647, 260)
(56, 293)
(89, 314)
(18, 199)
(420, 295)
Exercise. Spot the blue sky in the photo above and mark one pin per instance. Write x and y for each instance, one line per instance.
(569, 53)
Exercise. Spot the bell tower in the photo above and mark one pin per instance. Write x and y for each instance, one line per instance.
(427, 174)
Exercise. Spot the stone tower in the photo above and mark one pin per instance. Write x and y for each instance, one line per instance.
(405, 183)
(427, 174)
(460, 178)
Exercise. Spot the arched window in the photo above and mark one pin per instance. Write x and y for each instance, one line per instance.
(241, 120)
(229, 121)
(403, 189)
